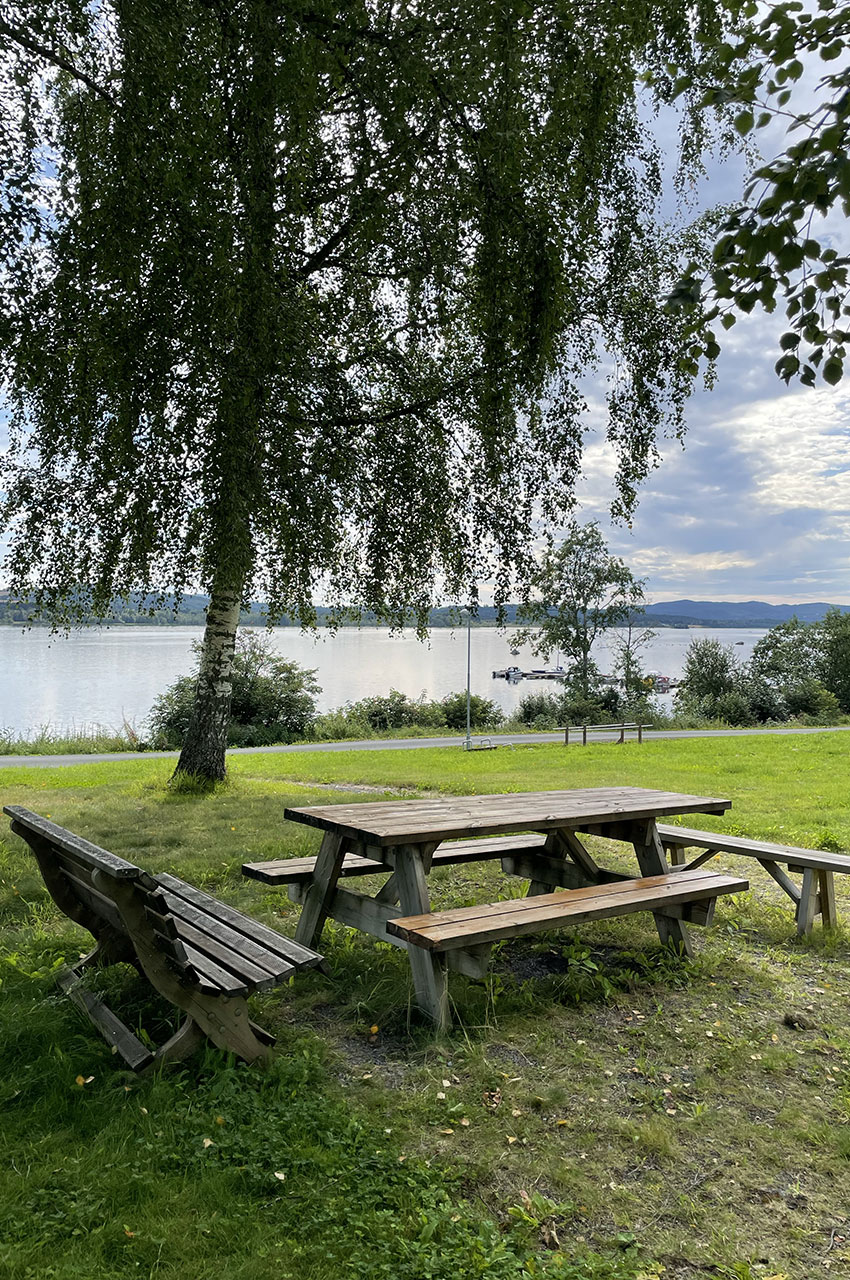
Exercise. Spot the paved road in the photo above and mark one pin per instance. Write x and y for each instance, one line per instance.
(411, 744)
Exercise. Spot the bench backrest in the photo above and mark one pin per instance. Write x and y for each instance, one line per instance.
(82, 878)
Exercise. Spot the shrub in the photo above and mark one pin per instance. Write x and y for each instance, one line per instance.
(809, 698)
(483, 713)
(395, 710)
(273, 699)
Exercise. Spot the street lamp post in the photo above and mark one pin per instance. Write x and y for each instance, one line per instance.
(468, 745)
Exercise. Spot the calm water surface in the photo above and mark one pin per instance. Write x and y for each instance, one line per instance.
(99, 677)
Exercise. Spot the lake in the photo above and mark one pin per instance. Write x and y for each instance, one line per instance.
(101, 677)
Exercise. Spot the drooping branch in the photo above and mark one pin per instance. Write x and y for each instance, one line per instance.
(56, 59)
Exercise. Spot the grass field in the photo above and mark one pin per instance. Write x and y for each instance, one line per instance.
(600, 1112)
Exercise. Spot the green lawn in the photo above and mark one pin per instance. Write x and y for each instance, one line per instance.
(601, 1111)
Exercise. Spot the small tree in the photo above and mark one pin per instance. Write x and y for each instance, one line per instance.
(628, 642)
(710, 676)
(274, 699)
(789, 653)
(581, 592)
(835, 670)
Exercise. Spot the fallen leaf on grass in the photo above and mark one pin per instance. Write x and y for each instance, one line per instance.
(281, 1177)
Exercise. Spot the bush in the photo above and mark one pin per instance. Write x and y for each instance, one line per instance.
(395, 710)
(483, 713)
(548, 710)
(273, 699)
(539, 710)
(809, 698)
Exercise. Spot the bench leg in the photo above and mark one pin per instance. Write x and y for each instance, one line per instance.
(652, 862)
(226, 1021)
(430, 974)
(186, 1039)
(677, 854)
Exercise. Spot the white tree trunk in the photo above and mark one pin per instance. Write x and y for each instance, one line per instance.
(203, 753)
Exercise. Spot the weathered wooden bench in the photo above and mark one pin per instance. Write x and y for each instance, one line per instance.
(814, 896)
(621, 728)
(201, 954)
(690, 895)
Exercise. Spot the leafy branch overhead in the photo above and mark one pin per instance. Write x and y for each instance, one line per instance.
(774, 249)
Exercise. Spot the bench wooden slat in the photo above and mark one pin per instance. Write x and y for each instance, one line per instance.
(294, 870)
(189, 917)
(720, 843)
(91, 854)
(248, 928)
(300, 870)
(240, 965)
(100, 905)
(217, 977)
(443, 930)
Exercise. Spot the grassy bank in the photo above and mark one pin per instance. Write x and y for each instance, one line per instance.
(600, 1111)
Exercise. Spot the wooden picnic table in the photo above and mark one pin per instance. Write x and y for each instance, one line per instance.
(534, 834)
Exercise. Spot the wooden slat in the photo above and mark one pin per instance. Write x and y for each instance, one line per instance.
(259, 978)
(296, 870)
(215, 975)
(302, 957)
(24, 820)
(96, 902)
(420, 821)
(299, 870)
(188, 916)
(441, 930)
(721, 843)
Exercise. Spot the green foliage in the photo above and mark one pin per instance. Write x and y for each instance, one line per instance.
(382, 713)
(306, 301)
(766, 251)
(546, 710)
(580, 591)
(274, 700)
(395, 710)
(835, 672)
(483, 712)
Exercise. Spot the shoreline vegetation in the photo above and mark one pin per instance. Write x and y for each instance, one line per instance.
(98, 740)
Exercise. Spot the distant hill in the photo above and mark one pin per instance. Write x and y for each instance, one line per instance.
(666, 613)
(738, 613)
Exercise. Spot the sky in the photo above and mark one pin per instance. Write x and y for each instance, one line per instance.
(756, 505)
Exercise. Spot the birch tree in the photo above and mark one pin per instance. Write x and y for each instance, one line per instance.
(299, 299)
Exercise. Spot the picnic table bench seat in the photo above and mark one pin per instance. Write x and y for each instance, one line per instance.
(201, 954)
(689, 895)
(300, 870)
(814, 896)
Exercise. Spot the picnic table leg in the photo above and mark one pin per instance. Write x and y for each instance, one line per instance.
(808, 905)
(321, 890)
(829, 915)
(579, 867)
(430, 975)
(652, 862)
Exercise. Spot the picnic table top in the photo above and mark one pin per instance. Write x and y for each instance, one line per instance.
(417, 821)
